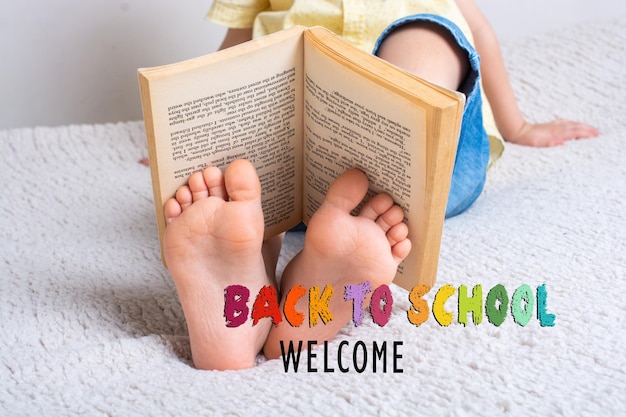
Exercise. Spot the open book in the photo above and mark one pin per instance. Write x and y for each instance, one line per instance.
(303, 106)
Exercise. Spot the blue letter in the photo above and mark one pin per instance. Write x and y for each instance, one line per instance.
(545, 319)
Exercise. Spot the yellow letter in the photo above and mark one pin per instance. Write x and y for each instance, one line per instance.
(318, 305)
(443, 317)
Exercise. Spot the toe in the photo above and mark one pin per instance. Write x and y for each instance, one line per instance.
(376, 206)
(348, 190)
(242, 182)
(198, 187)
(184, 197)
(390, 218)
(399, 242)
(214, 180)
(172, 210)
(397, 233)
(401, 250)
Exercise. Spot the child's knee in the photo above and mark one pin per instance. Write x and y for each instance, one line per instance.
(427, 50)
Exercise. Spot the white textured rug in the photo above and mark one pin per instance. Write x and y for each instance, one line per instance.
(91, 325)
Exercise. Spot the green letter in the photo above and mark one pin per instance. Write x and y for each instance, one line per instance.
(473, 304)
(496, 315)
(521, 315)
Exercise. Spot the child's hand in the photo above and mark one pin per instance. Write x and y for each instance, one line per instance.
(552, 133)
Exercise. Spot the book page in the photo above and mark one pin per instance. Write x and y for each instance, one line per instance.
(351, 121)
(238, 103)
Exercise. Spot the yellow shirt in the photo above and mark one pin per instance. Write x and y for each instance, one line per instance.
(360, 22)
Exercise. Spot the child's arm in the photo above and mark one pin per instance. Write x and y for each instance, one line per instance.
(499, 92)
(235, 37)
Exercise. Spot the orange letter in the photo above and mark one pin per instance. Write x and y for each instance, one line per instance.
(294, 317)
(418, 312)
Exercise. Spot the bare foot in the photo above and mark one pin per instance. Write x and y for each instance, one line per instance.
(341, 249)
(213, 239)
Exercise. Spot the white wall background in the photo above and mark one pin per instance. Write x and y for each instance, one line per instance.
(75, 61)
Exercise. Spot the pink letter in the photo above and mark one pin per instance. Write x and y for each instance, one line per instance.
(381, 305)
(235, 308)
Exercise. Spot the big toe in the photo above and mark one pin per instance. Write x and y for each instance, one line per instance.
(348, 190)
(242, 181)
